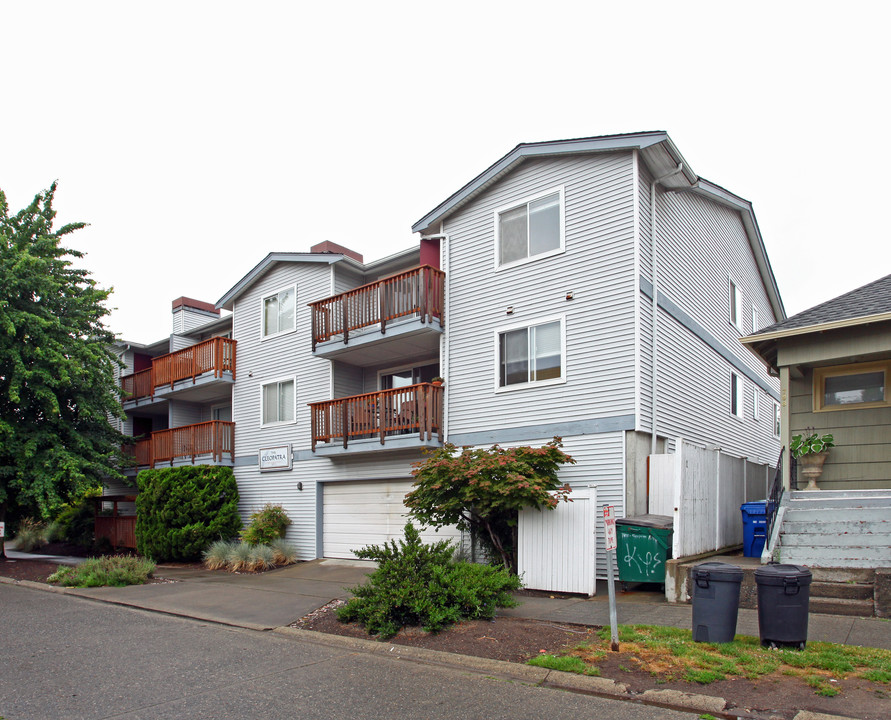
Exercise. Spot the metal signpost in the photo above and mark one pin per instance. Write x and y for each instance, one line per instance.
(609, 521)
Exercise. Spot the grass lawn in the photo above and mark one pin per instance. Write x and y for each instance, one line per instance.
(670, 653)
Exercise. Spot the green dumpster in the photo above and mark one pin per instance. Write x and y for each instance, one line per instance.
(644, 544)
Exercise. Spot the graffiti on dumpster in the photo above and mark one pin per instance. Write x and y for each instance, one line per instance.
(647, 564)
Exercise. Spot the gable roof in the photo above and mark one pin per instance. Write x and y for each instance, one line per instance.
(867, 304)
(661, 156)
(266, 263)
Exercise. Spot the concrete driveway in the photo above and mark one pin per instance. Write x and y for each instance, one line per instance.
(258, 602)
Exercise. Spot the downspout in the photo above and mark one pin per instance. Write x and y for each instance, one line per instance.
(655, 318)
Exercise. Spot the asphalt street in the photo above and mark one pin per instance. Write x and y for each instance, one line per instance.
(66, 657)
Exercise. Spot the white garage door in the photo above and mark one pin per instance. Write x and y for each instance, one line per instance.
(356, 514)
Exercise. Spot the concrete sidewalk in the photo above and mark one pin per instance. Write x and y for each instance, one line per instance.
(280, 597)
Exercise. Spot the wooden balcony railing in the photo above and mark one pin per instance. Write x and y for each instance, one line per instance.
(419, 292)
(215, 438)
(216, 355)
(416, 409)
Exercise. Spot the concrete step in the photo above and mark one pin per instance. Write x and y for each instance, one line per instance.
(804, 513)
(840, 606)
(850, 527)
(868, 495)
(816, 537)
(832, 557)
(842, 590)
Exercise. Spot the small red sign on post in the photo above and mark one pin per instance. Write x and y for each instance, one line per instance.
(609, 520)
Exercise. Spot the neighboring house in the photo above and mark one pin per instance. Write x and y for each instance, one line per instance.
(834, 363)
(537, 291)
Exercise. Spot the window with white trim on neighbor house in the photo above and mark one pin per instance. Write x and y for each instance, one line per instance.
(278, 402)
(735, 304)
(532, 228)
(280, 312)
(531, 354)
(736, 395)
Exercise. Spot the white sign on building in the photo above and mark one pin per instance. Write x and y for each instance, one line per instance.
(275, 458)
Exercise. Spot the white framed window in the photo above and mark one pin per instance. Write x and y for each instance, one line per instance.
(755, 394)
(530, 354)
(279, 312)
(735, 304)
(736, 396)
(756, 320)
(278, 402)
(530, 229)
(776, 419)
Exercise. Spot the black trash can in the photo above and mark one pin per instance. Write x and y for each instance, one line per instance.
(715, 601)
(784, 593)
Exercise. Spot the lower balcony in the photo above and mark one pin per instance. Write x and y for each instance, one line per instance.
(398, 419)
(207, 443)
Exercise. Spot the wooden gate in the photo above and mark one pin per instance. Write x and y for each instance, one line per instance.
(557, 547)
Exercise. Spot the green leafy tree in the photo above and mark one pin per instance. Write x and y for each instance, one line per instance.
(57, 382)
(482, 491)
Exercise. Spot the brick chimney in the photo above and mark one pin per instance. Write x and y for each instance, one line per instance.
(189, 314)
(329, 247)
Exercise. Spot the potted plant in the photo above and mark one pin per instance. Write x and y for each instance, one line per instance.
(811, 452)
(437, 381)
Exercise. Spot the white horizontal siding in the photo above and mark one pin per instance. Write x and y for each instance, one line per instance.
(262, 361)
(597, 266)
(185, 413)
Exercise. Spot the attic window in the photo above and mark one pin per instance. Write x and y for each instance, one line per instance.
(859, 385)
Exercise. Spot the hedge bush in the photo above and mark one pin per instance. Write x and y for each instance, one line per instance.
(420, 584)
(181, 510)
(268, 524)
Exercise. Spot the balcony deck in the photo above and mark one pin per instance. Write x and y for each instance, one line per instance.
(404, 418)
(396, 318)
(207, 443)
(190, 369)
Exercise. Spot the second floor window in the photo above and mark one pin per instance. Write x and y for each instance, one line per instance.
(736, 395)
(278, 402)
(532, 228)
(280, 312)
(530, 354)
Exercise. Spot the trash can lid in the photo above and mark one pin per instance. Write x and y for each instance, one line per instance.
(761, 504)
(663, 522)
(779, 574)
(718, 571)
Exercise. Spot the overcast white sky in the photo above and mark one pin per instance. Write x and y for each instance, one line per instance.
(195, 137)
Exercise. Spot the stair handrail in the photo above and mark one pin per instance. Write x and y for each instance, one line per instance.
(775, 496)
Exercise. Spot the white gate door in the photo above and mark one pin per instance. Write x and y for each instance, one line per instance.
(557, 547)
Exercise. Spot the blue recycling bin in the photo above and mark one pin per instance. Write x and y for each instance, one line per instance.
(754, 517)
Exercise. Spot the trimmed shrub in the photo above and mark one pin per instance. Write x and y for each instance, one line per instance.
(181, 510)
(419, 584)
(266, 525)
(116, 571)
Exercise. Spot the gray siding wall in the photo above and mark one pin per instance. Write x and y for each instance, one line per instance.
(179, 342)
(861, 458)
(349, 380)
(345, 278)
(180, 412)
(597, 266)
(185, 320)
(261, 361)
(701, 244)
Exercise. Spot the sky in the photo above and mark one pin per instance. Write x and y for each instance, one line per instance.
(195, 137)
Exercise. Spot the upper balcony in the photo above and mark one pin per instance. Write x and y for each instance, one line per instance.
(207, 443)
(398, 318)
(199, 373)
(403, 418)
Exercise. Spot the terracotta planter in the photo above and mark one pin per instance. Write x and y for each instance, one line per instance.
(811, 467)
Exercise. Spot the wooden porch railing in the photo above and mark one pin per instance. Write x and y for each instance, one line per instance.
(216, 355)
(416, 409)
(419, 291)
(214, 437)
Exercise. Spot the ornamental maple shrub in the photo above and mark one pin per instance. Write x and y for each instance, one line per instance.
(267, 524)
(482, 491)
(182, 510)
